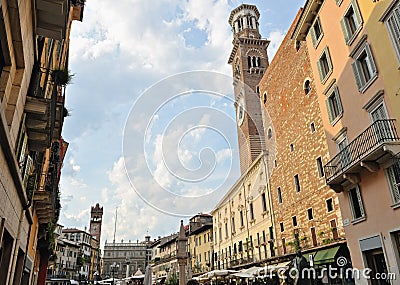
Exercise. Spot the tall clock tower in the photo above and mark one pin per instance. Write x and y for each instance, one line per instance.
(249, 61)
(96, 217)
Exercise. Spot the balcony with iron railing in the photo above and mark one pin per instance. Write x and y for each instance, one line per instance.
(44, 110)
(374, 146)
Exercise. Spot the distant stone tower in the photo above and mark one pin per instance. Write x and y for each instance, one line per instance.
(96, 217)
(249, 61)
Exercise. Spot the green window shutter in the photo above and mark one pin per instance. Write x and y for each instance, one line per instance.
(338, 101)
(313, 36)
(321, 75)
(328, 109)
(357, 13)
(371, 59)
(343, 24)
(328, 57)
(357, 75)
(393, 182)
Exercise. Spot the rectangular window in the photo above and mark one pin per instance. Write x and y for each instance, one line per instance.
(279, 195)
(297, 182)
(324, 65)
(271, 233)
(220, 234)
(393, 26)
(264, 202)
(241, 219)
(316, 32)
(334, 105)
(329, 205)
(284, 245)
(310, 214)
(226, 230)
(334, 230)
(313, 237)
(205, 239)
(251, 212)
(393, 177)
(282, 227)
(364, 68)
(320, 167)
(356, 205)
(233, 225)
(351, 22)
(294, 220)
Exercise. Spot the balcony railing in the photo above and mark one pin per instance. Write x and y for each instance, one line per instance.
(379, 133)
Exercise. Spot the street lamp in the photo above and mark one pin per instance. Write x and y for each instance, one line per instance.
(113, 266)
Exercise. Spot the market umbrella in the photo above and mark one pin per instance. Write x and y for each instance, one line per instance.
(148, 276)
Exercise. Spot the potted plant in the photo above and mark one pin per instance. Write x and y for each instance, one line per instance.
(61, 77)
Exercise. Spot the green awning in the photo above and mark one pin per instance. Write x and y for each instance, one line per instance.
(326, 255)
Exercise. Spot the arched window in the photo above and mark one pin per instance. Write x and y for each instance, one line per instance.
(307, 86)
(258, 61)
(249, 61)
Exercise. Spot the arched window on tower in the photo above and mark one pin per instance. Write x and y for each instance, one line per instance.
(249, 61)
(258, 61)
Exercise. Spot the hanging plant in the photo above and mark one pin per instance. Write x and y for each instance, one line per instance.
(61, 77)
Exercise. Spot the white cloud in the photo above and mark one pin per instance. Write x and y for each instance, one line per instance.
(276, 38)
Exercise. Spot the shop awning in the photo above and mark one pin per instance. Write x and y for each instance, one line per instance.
(326, 255)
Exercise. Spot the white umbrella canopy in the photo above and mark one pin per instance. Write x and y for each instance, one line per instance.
(138, 273)
(148, 276)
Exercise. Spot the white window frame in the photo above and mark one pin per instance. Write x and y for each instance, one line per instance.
(348, 34)
(360, 203)
(392, 23)
(324, 74)
(394, 187)
(358, 70)
(334, 95)
(314, 39)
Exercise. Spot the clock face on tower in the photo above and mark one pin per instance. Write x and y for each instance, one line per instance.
(240, 111)
(95, 227)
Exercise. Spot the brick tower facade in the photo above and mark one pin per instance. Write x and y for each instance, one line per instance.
(96, 218)
(249, 61)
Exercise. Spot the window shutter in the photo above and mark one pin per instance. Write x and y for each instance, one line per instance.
(372, 62)
(343, 24)
(357, 74)
(393, 25)
(321, 75)
(338, 101)
(328, 109)
(313, 36)
(328, 58)
(357, 13)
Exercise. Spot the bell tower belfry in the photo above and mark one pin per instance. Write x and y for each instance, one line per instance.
(96, 218)
(249, 61)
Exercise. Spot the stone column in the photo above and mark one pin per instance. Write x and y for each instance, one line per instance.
(182, 254)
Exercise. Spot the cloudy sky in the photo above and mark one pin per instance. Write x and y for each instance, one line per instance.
(143, 138)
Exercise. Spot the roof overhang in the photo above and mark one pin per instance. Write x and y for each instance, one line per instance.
(307, 17)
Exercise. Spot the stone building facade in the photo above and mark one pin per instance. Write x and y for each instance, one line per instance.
(124, 258)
